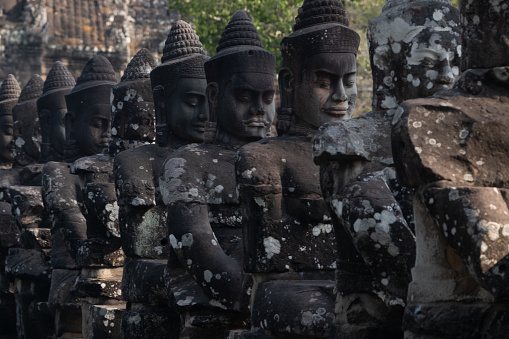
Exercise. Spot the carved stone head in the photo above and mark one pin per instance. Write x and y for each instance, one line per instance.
(318, 79)
(27, 131)
(88, 120)
(132, 105)
(415, 50)
(178, 86)
(9, 94)
(52, 109)
(240, 82)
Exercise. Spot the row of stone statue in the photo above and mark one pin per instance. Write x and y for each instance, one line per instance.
(160, 207)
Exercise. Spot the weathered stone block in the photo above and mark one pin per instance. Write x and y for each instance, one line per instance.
(27, 205)
(27, 263)
(102, 321)
(36, 238)
(143, 282)
(100, 282)
(62, 282)
(144, 232)
(299, 308)
(143, 322)
(100, 252)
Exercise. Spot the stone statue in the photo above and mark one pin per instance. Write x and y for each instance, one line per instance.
(27, 130)
(88, 120)
(288, 239)
(52, 108)
(371, 210)
(205, 277)
(133, 118)
(453, 148)
(178, 88)
(74, 219)
(9, 94)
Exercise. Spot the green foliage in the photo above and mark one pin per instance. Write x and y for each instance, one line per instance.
(273, 19)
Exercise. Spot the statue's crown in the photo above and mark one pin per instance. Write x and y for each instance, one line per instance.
(140, 66)
(10, 89)
(58, 78)
(33, 89)
(181, 41)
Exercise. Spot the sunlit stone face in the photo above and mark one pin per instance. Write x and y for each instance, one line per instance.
(415, 52)
(327, 90)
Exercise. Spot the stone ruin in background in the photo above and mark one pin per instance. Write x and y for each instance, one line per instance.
(35, 33)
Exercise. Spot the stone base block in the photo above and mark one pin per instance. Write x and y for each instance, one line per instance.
(143, 282)
(294, 308)
(68, 321)
(447, 320)
(99, 282)
(102, 321)
(148, 323)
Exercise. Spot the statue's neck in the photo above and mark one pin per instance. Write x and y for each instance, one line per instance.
(301, 128)
(228, 140)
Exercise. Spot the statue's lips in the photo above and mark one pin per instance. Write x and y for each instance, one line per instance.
(103, 143)
(335, 111)
(255, 123)
(198, 127)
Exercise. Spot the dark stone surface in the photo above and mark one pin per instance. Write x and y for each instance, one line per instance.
(145, 322)
(298, 309)
(143, 282)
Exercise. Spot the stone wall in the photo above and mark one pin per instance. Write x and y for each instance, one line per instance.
(36, 33)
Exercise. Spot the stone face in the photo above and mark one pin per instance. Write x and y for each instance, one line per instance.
(400, 41)
(27, 263)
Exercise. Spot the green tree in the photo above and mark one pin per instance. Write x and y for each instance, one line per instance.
(273, 19)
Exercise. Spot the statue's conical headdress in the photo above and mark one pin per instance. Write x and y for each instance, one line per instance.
(183, 56)
(10, 89)
(59, 78)
(9, 94)
(133, 105)
(240, 50)
(98, 72)
(32, 90)
(140, 66)
(321, 26)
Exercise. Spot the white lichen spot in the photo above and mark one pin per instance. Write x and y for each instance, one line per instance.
(248, 174)
(417, 124)
(187, 240)
(468, 177)
(259, 201)
(463, 134)
(20, 142)
(418, 150)
(385, 282)
(173, 241)
(416, 82)
(113, 131)
(396, 47)
(207, 275)
(272, 246)
(432, 142)
(438, 15)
